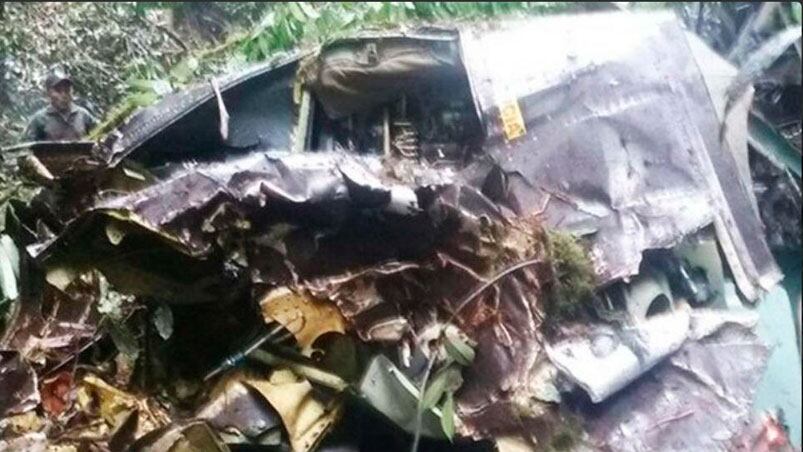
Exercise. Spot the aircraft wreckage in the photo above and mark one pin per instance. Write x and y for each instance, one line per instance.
(558, 242)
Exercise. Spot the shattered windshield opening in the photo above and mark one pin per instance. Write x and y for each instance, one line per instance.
(420, 104)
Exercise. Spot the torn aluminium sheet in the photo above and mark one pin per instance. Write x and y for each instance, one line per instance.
(613, 135)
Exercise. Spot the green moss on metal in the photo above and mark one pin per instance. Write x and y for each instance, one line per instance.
(574, 277)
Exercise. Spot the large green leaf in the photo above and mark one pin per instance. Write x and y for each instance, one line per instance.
(447, 379)
(434, 391)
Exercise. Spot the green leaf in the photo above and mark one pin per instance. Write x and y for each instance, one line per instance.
(263, 47)
(347, 17)
(269, 21)
(143, 99)
(797, 12)
(434, 391)
(182, 72)
(290, 33)
(454, 379)
(308, 10)
(296, 11)
(160, 87)
(447, 416)
(447, 379)
(139, 84)
(458, 349)
(124, 339)
(771, 144)
(295, 28)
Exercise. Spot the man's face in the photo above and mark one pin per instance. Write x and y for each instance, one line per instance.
(60, 96)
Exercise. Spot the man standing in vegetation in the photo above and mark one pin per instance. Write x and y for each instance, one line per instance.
(62, 120)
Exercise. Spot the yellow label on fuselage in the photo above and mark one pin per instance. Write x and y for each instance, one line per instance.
(512, 120)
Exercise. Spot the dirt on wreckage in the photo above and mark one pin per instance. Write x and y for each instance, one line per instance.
(552, 241)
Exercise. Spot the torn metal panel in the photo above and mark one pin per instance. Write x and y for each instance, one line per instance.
(20, 391)
(718, 74)
(329, 203)
(606, 360)
(306, 418)
(149, 123)
(190, 202)
(54, 323)
(687, 402)
(612, 135)
(234, 405)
